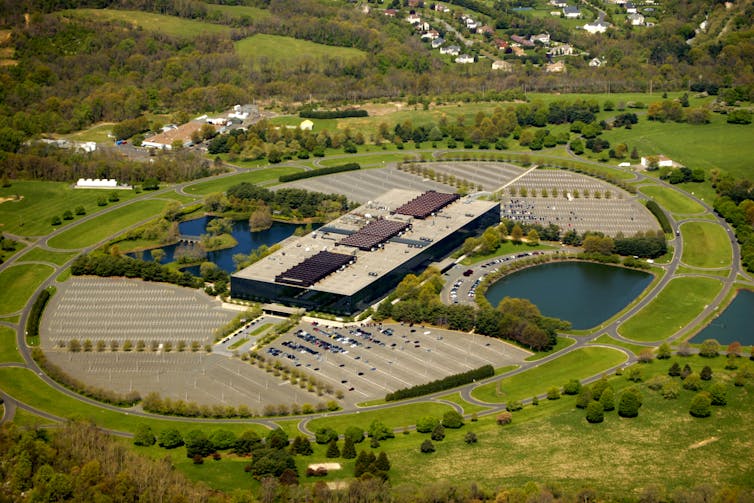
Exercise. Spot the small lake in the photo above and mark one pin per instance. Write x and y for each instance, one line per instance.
(733, 324)
(247, 241)
(584, 293)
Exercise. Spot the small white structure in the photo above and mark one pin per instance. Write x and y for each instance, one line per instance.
(96, 183)
(453, 50)
(562, 50)
(464, 59)
(662, 161)
(596, 62)
(635, 19)
(502, 66)
(437, 43)
(306, 125)
(596, 27)
(571, 12)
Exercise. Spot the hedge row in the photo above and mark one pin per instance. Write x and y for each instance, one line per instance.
(333, 114)
(660, 215)
(35, 315)
(442, 384)
(351, 166)
(70, 382)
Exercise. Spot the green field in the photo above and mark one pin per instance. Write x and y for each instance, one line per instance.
(41, 255)
(715, 145)
(99, 133)
(705, 244)
(169, 25)
(25, 418)
(238, 11)
(673, 201)
(18, 283)
(277, 50)
(221, 184)
(25, 386)
(675, 307)
(98, 229)
(394, 417)
(40, 201)
(578, 364)
(8, 351)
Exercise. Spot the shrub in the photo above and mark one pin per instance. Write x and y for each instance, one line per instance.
(504, 418)
(701, 405)
(706, 373)
(438, 433)
(674, 370)
(514, 405)
(452, 419)
(427, 446)
(144, 436)
(718, 392)
(629, 404)
(351, 166)
(585, 396)
(607, 400)
(670, 390)
(692, 382)
(572, 387)
(325, 435)
(595, 413)
(355, 433)
(442, 384)
(170, 438)
(470, 438)
(709, 348)
(426, 424)
(553, 393)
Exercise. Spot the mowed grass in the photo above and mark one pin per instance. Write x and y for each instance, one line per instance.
(715, 145)
(676, 306)
(159, 23)
(672, 200)
(279, 50)
(705, 244)
(40, 255)
(394, 417)
(100, 228)
(25, 386)
(31, 215)
(221, 184)
(578, 364)
(17, 284)
(99, 133)
(8, 351)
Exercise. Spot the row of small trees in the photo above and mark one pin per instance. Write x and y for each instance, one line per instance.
(76, 346)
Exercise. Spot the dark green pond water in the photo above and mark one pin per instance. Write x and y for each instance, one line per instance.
(733, 324)
(583, 293)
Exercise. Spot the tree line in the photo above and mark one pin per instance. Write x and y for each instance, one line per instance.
(442, 384)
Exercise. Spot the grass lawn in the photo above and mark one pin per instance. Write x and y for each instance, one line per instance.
(394, 417)
(222, 184)
(40, 255)
(505, 248)
(279, 50)
(606, 339)
(25, 418)
(294, 120)
(468, 408)
(563, 342)
(675, 306)
(40, 201)
(705, 245)
(27, 387)
(18, 283)
(98, 229)
(579, 364)
(97, 133)
(376, 159)
(713, 145)
(8, 351)
(673, 201)
(169, 25)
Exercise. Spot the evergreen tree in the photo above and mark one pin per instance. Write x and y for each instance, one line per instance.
(701, 405)
(607, 400)
(361, 465)
(674, 370)
(719, 393)
(594, 412)
(427, 446)
(382, 463)
(629, 404)
(438, 433)
(332, 449)
(584, 397)
(706, 373)
(598, 387)
(686, 371)
(349, 449)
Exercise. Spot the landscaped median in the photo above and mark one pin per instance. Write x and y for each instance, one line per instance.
(675, 306)
(705, 244)
(578, 364)
(18, 283)
(106, 225)
(672, 200)
(392, 417)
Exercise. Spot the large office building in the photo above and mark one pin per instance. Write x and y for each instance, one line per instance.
(344, 266)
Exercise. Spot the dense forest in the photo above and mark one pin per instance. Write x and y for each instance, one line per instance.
(68, 71)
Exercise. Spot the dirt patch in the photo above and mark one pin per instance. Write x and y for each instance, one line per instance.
(339, 484)
(13, 198)
(326, 466)
(703, 442)
(379, 109)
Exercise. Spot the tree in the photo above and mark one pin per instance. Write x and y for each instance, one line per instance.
(701, 405)
(452, 419)
(355, 433)
(301, 445)
(277, 439)
(706, 373)
(692, 382)
(382, 463)
(595, 413)
(349, 449)
(572, 387)
(532, 237)
(223, 439)
(718, 392)
(674, 370)
(470, 438)
(438, 433)
(143, 436)
(686, 371)
(709, 348)
(553, 393)
(584, 397)
(646, 355)
(379, 431)
(426, 424)
(517, 234)
(332, 449)
(325, 435)
(198, 444)
(663, 352)
(607, 400)
(629, 404)
(427, 447)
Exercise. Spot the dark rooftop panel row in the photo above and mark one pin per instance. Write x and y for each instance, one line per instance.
(426, 204)
(314, 268)
(374, 233)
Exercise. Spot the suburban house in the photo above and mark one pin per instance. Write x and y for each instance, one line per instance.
(561, 50)
(557, 67)
(453, 50)
(635, 19)
(414, 19)
(464, 59)
(522, 41)
(391, 12)
(437, 42)
(661, 160)
(430, 35)
(559, 3)
(502, 66)
(630, 8)
(596, 62)
(571, 12)
(596, 27)
(501, 44)
(542, 38)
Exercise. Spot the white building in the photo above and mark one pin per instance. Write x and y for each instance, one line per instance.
(596, 27)
(502, 66)
(464, 59)
(96, 183)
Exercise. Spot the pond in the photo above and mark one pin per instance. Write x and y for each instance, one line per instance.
(247, 241)
(733, 324)
(584, 293)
